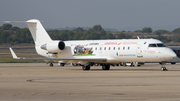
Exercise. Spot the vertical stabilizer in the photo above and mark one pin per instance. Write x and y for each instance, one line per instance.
(39, 34)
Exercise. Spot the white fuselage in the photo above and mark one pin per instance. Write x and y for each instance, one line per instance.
(115, 51)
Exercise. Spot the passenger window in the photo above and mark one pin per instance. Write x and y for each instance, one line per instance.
(100, 48)
(114, 48)
(128, 48)
(152, 45)
(118, 48)
(96, 48)
(123, 48)
(104, 48)
(109, 48)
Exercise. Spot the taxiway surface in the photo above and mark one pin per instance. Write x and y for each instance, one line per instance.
(38, 81)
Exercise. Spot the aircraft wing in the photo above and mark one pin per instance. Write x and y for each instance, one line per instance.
(60, 59)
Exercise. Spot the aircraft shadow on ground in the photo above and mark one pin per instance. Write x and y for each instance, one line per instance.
(125, 70)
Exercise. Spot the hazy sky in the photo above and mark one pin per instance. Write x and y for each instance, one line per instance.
(126, 15)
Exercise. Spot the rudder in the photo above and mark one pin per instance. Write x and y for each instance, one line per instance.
(39, 34)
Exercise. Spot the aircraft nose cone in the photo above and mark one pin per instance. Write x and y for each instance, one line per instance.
(169, 55)
(173, 55)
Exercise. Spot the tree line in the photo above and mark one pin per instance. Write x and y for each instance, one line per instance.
(14, 35)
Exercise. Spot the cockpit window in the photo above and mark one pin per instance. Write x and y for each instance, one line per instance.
(152, 45)
(157, 45)
(161, 45)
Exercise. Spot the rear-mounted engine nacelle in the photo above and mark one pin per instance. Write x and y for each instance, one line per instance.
(54, 46)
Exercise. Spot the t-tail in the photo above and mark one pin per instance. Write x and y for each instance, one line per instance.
(39, 34)
(43, 43)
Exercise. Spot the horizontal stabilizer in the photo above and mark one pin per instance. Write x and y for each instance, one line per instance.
(19, 22)
(39, 34)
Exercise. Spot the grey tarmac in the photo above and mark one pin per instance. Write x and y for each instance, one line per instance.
(39, 82)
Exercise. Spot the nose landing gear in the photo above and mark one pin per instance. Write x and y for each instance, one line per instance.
(163, 68)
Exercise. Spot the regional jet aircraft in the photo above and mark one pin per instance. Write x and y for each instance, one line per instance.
(87, 53)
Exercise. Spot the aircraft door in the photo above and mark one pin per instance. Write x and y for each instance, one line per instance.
(139, 51)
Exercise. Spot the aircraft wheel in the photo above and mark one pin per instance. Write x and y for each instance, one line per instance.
(51, 64)
(163, 69)
(86, 67)
(62, 64)
(105, 67)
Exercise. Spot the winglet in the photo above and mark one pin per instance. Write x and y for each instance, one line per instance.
(13, 54)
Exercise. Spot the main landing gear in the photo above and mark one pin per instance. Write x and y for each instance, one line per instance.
(51, 64)
(104, 67)
(86, 67)
(164, 69)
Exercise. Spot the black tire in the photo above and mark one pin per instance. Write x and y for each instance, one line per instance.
(51, 64)
(86, 67)
(106, 67)
(163, 68)
(62, 64)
